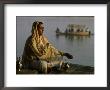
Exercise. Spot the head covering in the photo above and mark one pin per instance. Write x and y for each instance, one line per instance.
(36, 23)
(34, 26)
(35, 34)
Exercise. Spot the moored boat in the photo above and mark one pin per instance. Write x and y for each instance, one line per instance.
(73, 29)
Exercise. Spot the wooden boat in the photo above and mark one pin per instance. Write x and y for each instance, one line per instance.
(77, 30)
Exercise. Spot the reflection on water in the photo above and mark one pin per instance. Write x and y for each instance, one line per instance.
(71, 37)
(82, 47)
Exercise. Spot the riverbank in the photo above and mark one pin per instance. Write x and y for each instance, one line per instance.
(73, 69)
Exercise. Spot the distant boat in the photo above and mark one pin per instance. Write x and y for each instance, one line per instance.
(72, 29)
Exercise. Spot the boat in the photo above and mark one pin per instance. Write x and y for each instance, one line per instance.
(73, 29)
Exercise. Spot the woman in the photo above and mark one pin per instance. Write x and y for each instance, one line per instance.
(39, 53)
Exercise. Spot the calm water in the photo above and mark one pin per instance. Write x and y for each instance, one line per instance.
(82, 47)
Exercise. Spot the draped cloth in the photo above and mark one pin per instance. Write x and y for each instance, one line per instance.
(37, 47)
(40, 48)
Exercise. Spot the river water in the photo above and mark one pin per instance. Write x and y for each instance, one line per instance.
(81, 47)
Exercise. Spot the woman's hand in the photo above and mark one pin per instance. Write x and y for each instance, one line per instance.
(69, 56)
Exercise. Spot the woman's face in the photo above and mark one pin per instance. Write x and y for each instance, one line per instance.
(40, 29)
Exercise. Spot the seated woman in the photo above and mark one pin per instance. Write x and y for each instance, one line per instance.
(39, 53)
